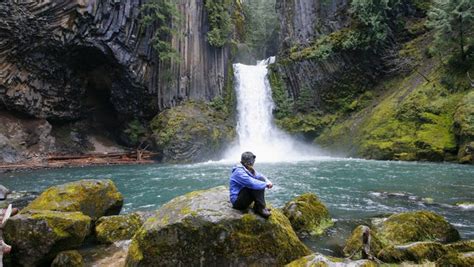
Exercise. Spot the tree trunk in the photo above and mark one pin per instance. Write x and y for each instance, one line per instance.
(461, 41)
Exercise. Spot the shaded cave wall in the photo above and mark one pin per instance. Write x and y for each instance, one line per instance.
(41, 75)
(64, 62)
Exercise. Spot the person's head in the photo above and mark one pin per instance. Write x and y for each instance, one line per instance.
(247, 158)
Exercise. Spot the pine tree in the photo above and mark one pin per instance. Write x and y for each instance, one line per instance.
(453, 22)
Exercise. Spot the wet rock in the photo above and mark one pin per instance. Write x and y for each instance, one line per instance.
(38, 235)
(307, 214)
(319, 260)
(3, 192)
(109, 229)
(355, 243)
(202, 227)
(94, 198)
(19, 199)
(416, 252)
(416, 226)
(70, 258)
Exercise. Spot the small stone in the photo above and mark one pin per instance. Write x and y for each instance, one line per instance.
(3, 192)
(70, 258)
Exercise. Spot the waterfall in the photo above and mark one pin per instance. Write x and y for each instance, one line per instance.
(255, 128)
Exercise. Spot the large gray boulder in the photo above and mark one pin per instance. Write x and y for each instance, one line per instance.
(201, 228)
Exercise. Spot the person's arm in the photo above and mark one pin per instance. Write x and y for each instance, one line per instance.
(241, 177)
(260, 177)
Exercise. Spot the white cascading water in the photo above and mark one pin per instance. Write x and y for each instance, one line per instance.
(255, 128)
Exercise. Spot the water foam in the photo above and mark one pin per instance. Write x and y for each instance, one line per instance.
(255, 128)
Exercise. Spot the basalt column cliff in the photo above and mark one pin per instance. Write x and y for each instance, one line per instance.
(78, 64)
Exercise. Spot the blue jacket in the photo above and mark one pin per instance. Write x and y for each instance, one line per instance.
(241, 177)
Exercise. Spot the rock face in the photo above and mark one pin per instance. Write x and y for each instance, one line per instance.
(90, 68)
(307, 214)
(201, 227)
(110, 229)
(54, 52)
(94, 198)
(191, 132)
(37, 235)
(24, 138)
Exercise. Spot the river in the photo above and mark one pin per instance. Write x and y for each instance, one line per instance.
(353, 190)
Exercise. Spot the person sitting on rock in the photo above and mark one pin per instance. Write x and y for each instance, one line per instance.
(247, 186)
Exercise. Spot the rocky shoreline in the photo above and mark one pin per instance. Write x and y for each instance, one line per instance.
(78, 224)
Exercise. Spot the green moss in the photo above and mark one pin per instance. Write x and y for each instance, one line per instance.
(353, 246)
(461, 246)
(416, 226)
(73, 225)
(456, 259)
(308, 215)
(200, 226)
(418, 252)
(114, 228)
(177, 130)
(280, 96)
(94, 198)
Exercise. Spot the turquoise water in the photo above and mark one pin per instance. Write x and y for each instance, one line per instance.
(353, 190)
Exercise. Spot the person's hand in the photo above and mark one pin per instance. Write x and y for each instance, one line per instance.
(269, 185)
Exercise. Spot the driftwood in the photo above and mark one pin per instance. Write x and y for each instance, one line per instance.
(129, 154)
(4, 247)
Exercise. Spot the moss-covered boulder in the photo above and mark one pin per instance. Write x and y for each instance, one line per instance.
(416, 252)
(109, 229)
(461, 246)
(202, 227)
(463, 259)
(94, 198)
(416, 226)
(354, 244)
(192, 131)
(319, 260)
(69, 258)
(38, 235)
(307, 214)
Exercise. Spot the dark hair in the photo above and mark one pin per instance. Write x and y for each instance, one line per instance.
(247, 158)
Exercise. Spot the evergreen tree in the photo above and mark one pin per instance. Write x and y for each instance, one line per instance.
(453, 22)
